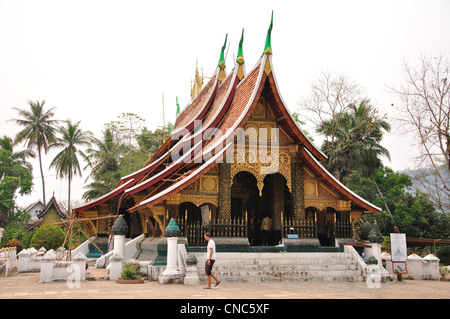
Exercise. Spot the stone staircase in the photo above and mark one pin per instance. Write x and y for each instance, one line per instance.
(264, 267)
(102, 243)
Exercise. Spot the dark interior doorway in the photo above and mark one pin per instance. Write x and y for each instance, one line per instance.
(275, 198)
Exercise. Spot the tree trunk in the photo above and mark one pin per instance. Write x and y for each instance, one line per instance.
(68, 203)
(385, 204)
(42, 176)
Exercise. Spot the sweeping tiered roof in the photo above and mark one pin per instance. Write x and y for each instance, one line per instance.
(225, 103)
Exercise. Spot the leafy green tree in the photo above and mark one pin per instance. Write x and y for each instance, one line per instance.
(48, 236)
(413, 213)
(6, 144)
(66, 162)
(129, 125)
(443, 253)
(124, 148)
(38, 131)
(16, 228)
(301, 123)
(149, 141)
(15, 176)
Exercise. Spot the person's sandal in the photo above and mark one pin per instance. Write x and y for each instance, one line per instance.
(217, 283)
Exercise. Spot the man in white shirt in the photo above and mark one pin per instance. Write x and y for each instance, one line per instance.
(210, 259)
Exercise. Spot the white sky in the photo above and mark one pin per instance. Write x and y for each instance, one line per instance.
(95, 59)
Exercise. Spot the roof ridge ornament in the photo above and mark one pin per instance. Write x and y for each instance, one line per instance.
(222, 64)
(197, 84)
(178, 108)
(240, 54)
(268, 45)
(240, 58)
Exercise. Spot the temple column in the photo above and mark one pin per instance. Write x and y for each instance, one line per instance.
(278, 202)
(225, 190)
(298, 196)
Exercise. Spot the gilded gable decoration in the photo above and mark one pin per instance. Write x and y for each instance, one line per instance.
(262, 164)
(311, 188)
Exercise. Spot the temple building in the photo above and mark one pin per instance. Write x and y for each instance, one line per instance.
(52, 213)
(236, 155)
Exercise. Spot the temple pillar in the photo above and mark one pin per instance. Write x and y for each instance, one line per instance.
(225, 183)
(298, 197)
(278, 202)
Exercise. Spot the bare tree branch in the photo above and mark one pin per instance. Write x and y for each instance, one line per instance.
(425, 109)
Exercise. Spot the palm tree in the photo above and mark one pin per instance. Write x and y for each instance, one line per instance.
(357, 141)
(38, 132)
(66, 162)
(367, 133)
(105, 164)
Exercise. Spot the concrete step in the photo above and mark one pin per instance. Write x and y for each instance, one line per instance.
(283, 261)
(227, 267)
(260, 267)
(287, 255)
(350, 278)
(309, 276)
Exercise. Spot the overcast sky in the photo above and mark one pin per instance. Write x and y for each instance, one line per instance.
(95, 59)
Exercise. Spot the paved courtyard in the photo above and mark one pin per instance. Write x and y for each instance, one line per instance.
(27, 286)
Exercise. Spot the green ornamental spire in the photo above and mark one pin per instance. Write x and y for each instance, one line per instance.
(172, 229)
(268, 46)
(222, 55)
(120, 227)
(178, 107)
(240, 54)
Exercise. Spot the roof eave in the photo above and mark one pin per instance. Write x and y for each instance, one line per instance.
(310, 159)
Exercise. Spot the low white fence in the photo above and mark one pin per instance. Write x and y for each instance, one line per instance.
(53, 270)
(417, 267)
(30, 259)
(8, 259)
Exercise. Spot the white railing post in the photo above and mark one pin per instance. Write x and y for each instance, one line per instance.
(24, 259)
(116, 266)
(47, 264)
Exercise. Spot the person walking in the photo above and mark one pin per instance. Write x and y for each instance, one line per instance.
(210, 259)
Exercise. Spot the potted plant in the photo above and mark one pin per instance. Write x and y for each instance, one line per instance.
(130, 275)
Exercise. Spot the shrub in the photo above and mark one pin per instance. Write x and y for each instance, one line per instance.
(48, 236)
(372, 261)
(14, 243)
(131, 272)
(14, 232)
(443, 253)
(365, 230)
(375, 235)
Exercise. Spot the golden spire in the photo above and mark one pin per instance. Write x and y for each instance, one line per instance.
(196, 86)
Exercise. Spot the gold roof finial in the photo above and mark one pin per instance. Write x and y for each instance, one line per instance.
(196, 86)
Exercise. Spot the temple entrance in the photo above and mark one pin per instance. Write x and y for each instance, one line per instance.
(326, 226)
(275, 198)
(190, 212)
(245, 198)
